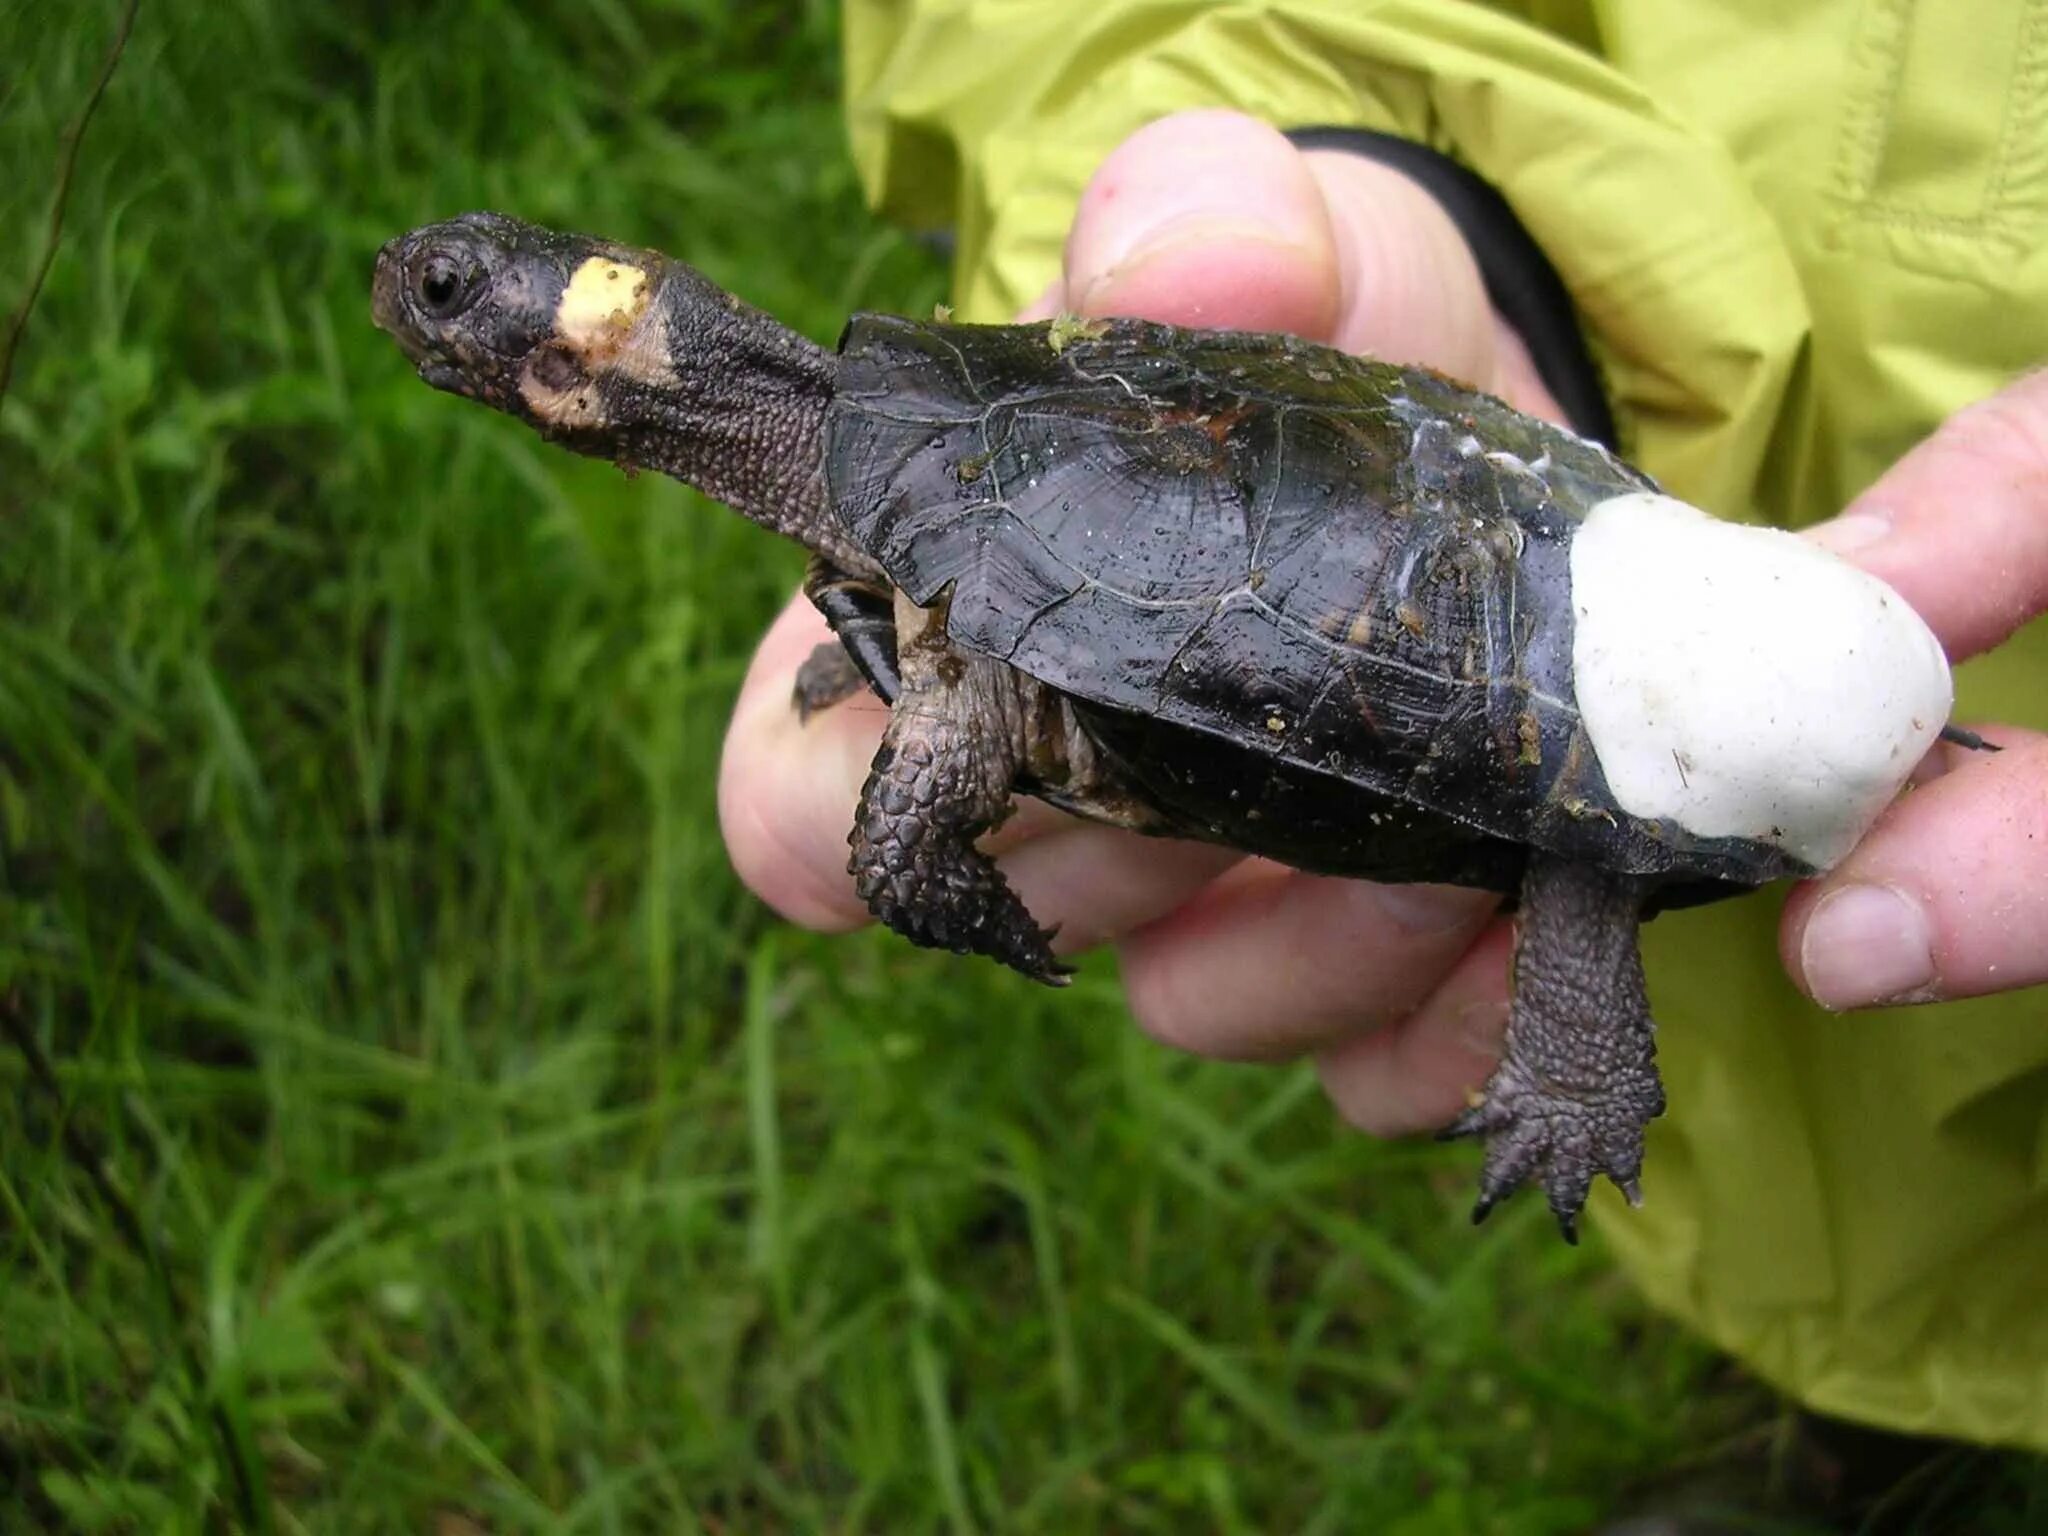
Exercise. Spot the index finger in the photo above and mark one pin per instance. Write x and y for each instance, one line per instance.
(1959, 526)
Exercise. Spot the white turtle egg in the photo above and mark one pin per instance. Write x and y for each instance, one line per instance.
(1744, 682)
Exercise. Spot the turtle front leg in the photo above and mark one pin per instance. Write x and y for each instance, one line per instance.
(862, 614)
(941, 778)
(1577, 1082)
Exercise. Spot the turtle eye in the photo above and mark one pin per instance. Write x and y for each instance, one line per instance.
(442, 290)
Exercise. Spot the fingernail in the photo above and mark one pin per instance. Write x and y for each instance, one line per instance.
(1867, 944)
(1852, 531)
(1426, 909)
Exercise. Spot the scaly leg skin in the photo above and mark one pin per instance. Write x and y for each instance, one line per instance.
(1577, 1082)
(827, 677)
(941, 778)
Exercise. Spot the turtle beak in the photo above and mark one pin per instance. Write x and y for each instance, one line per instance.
(386, 307)
(446, 376)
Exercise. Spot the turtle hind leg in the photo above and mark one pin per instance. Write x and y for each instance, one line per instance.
(1577, 1082)
(828, 676)
(940, 779)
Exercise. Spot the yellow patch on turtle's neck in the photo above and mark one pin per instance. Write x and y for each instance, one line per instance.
(599, 307)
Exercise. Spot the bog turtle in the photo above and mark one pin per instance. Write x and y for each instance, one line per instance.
(1340, 613)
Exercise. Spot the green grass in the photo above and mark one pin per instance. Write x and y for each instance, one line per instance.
(497, 1163)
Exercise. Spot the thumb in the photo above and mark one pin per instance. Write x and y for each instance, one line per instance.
(1212, 218)
(1411, 289)
(1206, 218)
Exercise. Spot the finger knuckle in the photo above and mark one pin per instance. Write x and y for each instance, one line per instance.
(1371, 1091)
(1160, 1001)
(1372, 1114)
(2007, 432)
(2025, 806)
(770, 856)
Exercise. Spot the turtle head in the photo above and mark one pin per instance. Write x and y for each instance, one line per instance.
(556, 329)
(622, 354)
(472, 299)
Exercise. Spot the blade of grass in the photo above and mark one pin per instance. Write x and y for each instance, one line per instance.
(1229, 1382)
(67, 169)
(509, 1489)
(928, 1378)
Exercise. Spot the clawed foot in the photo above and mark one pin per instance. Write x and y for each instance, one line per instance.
(949, 896)
(935, 788)
(1560, 1137)
(1577, 1081)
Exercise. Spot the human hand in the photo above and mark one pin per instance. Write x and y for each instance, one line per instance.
(1210, 219)
(1947, 896)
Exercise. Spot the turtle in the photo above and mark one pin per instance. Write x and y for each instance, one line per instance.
(1338, 612)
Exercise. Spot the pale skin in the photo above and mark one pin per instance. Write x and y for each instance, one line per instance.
(1399, 994)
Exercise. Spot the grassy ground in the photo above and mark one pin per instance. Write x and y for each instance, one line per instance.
(494, 1162)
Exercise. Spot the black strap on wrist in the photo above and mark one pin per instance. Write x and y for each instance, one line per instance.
(1522, 284)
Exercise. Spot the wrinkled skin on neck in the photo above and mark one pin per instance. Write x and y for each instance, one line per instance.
(621, 354)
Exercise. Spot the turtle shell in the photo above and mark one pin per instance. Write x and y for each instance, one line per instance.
(1273, 577)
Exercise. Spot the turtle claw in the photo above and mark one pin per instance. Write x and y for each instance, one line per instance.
(1577, 1082)
(1541, 1132)
(1053, 973)
(1026, 948)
